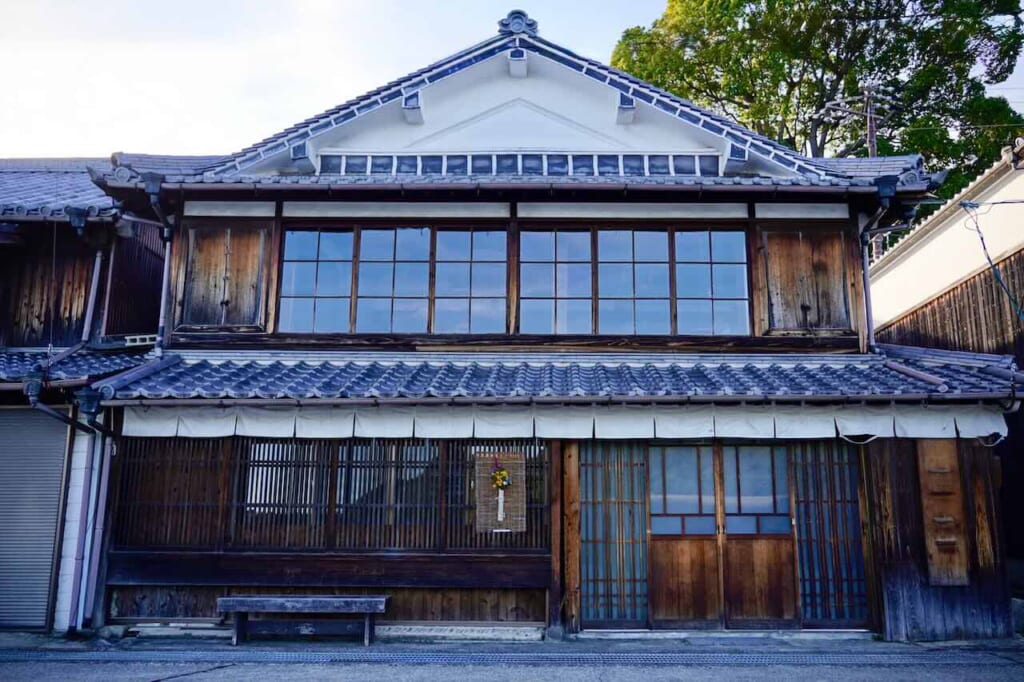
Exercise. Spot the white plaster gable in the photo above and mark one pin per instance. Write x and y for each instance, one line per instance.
(553, 108)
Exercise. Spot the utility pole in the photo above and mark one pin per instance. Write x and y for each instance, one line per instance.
(869, 113)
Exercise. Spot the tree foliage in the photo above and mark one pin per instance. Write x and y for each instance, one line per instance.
(772, 65)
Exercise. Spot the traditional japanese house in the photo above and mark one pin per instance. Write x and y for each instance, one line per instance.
(521, 262)
(67, 259)
(942, 286)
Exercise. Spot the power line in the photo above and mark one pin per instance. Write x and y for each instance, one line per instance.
(970, 208)
(990, 125)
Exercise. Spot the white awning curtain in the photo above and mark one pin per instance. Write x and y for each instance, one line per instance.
(602, 422)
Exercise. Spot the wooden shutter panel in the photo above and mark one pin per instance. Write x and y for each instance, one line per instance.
(225, 275)
(806, 280)
(942, 505)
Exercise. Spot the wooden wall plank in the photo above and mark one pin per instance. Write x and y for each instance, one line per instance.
(806, 279)
(942, 509)
(571, 537)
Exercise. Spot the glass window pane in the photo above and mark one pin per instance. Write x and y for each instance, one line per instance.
(756, 495)
(456, 165)
(693, 247)
(573, 280)
(412, 279)
(582, 164)
(700, 525)
(693, 280)
(657, 164)
(333, 278)
(537, 246)
(651, 280)
(574, 246)
(782, 481)
(573, 317)
(430, 164)
(741, 525)
(709, 165)
(615, 317)
(684, 165)
(377, 244)
(381, 164)
(681, 480)
(651, 246)
(410, 316)
(508, 163)
(608, 164)
(335, 246)
(558, 164)
(298, 279)
(779, 525)
(533, 164)
(413, 243)
(451, 279)
(656, 482)
(615, 245)
(355, 165)
(487, 316)
(652, 317)
(729, 247)
(375, 279)
(296, 315)
(451, 316)
(373, 315)
(488, 279)
(694, 317)
(330, 164)
(537, 279)
(300, 245)
(331, 315)
(729, 465)
(489, 246)
(615, 280)
(707, 481)
(453, 245)
(407, 164)
(729, 281)
(731, 317)
(666, 525)
(536, 317)
(483, 164)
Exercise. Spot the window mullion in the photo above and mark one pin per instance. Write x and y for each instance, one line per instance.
(357, 235)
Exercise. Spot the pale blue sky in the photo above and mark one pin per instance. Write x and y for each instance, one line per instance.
(89, 77)
(213, 76)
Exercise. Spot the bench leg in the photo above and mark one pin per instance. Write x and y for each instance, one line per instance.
(241, 621)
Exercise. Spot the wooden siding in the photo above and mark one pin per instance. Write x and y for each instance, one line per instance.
(910, 607)
(406, 604)
(44, 287)
(805, 280)
(226, 292)
(977, 316)
(133, 290)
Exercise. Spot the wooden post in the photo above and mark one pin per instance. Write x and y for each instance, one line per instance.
(555, 591)
(571, 538)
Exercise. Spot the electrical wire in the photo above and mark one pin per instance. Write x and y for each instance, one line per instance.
(971, 209)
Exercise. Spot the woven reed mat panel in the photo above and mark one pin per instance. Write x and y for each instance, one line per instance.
(487, 495)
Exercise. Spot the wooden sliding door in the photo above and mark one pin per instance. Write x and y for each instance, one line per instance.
(721, 549)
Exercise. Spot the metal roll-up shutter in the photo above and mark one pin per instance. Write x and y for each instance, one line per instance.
(32, 451)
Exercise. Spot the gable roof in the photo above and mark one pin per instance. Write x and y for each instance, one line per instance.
(518, 35)
(43, 189)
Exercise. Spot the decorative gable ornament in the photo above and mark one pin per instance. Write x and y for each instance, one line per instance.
(517, 21)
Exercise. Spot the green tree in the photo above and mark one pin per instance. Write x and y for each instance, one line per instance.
(773, 65)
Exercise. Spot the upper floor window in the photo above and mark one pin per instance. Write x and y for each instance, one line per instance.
(571, 280)
(634, 282)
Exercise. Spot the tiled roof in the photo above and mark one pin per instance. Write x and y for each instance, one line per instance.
(901, 375)
(44, 188)
(857, 167)
(166, 164)
(16, 365)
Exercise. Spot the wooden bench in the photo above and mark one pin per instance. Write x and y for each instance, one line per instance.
(367, 605)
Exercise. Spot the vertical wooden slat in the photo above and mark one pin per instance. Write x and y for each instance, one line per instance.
(571, 497)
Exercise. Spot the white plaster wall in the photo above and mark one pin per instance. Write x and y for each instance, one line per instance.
(949, 252)
(76, 487)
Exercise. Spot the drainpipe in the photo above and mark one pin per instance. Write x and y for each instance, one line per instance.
(83, 512)
(94, 286)
(153, 181)
(33, 387)
(886, 192)
(97, 526)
